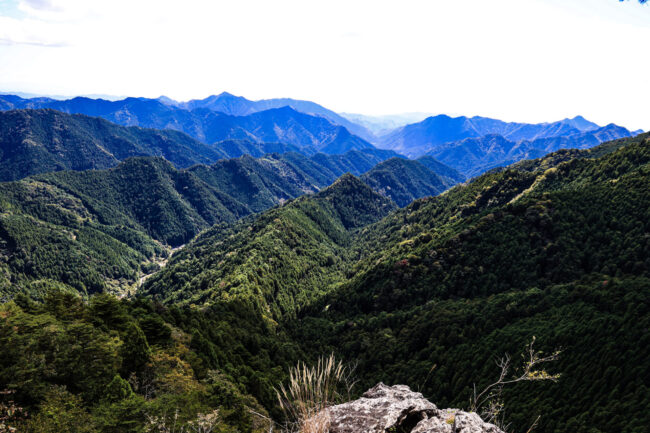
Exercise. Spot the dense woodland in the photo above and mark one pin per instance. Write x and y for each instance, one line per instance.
(40, 141)
(427, 295)
(99, 230)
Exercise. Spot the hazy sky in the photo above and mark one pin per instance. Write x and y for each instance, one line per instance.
(524, 60)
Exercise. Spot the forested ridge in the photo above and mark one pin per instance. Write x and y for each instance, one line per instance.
(40, 141)
(279, 261)
(202, 124)
(99, 230)
(44, 140)
(427, 295)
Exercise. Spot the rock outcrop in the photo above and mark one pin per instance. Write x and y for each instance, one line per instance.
(398, 409)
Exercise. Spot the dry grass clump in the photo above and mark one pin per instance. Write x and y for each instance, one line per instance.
(319, 423)
(311, 390)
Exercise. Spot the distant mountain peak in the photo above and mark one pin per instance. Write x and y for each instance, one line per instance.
(226, 96)
(284, 109)
(167, 101)
(447, 116)
(580, 123)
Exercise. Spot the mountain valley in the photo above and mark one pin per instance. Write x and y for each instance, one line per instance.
(185, 269)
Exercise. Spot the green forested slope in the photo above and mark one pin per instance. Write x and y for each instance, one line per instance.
(451, 175)
(581, 217)
(404, 180)
(39, 141)
(558, 252)
(443, 347)
(127, 366)
(99, 230)
(170, 205)
(49, 237)
(271, 179)
(276, 262)
(191, 360)
(261, 183)
(454, 282)
(103, 229)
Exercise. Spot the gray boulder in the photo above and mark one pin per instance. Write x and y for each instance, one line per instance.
(455, 421)
(396, 408)
(465, 422)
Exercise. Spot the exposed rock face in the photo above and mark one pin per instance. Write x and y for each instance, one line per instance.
(380, 409)
(398, 409)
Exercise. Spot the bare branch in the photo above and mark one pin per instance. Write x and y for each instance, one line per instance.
(489, 401)
(532, 427)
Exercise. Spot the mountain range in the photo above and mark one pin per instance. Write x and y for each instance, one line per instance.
(38, 141)
(276, 178)
(101, 230)
(432, 133)
(276, 124)
(285, 125)
(473, 156)
(239, 106)
(34, 141)
(165, 261)
(247, 127)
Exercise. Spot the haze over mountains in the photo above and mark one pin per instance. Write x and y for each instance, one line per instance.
(473, 156)
(279, 125)
(201, 120)
(427, 136)
(240, 106)
(381, 125)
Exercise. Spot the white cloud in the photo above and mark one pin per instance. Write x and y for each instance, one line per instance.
(529, 60)
(34, 42)
(29, 32)
(39, 4)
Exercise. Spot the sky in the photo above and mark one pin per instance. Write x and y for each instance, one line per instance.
(516, 60)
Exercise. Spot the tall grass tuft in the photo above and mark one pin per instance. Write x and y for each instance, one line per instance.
(311, 390)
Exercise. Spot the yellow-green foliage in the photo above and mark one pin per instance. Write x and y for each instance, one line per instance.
(82, 345)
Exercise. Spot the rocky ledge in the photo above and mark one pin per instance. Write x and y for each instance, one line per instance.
(400, 410)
